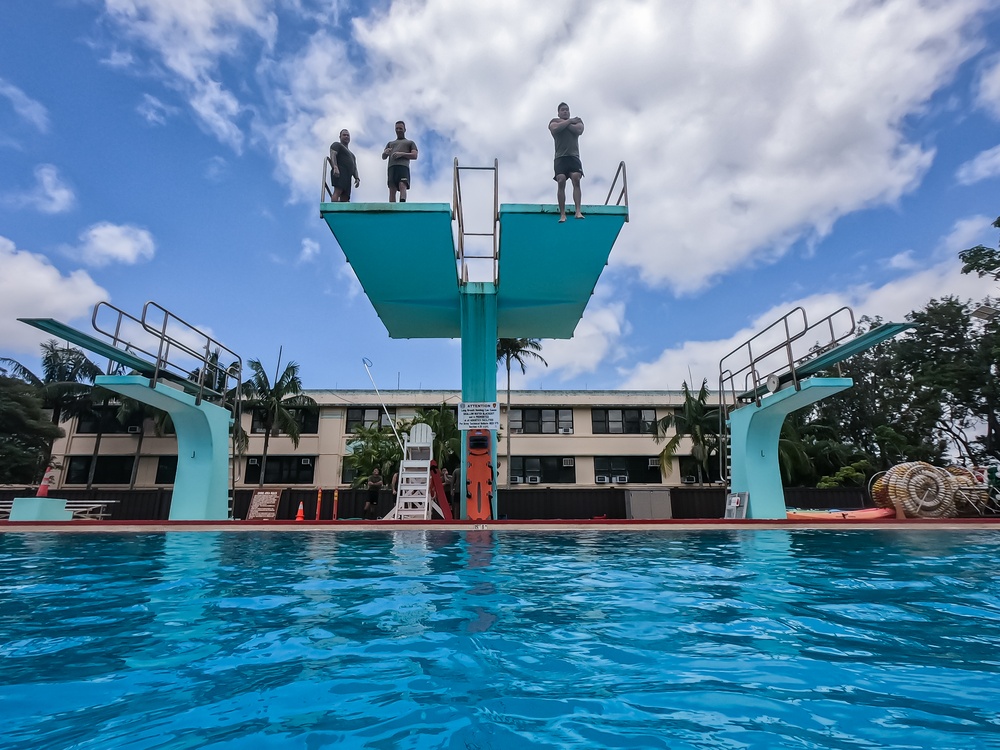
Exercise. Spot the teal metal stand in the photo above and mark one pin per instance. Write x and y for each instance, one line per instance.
(200, 489)
(478, 303)
(754, 434)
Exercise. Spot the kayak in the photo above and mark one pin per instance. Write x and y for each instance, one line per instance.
(861, 514)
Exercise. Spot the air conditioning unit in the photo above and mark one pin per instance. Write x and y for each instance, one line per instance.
(516, 480)
(307, 462)
(602, 479)
(516, 430)
(534, 480)
(565, 430)
(253, 461)
(569, 462)
(654, 463)
(689, 480)
(134, 429)
(621, 479)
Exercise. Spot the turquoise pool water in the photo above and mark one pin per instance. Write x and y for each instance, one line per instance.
(728, 639)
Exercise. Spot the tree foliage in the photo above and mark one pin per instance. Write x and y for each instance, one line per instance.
(696, 421)
(26, 433)
(519, 351)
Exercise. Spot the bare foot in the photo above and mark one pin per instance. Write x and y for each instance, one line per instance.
(562, 219)
(579, 216)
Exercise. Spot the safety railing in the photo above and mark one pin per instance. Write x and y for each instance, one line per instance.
(458, 215)
(324, 189)
(623, 191)
(182, 351)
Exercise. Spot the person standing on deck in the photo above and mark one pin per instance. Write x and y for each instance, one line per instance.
(400, 153)
(566, 132)
(345, 167)
(374, 487)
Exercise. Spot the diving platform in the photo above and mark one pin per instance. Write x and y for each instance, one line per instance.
(412, 263)
(404, 255)
(775, 372)
(178, 373)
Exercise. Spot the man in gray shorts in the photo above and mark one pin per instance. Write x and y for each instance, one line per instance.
(566, 132)
(345, 167)
(400, 153)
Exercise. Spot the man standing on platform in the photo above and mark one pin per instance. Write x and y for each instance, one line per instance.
(566, 132)
(345, 166)
(400, 153)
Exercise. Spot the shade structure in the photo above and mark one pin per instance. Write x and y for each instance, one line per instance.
(548, 270)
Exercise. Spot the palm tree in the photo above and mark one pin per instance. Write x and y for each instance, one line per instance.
(516, 350)
(275, 404)
(694, 420)
(373, 447)
(64, 385)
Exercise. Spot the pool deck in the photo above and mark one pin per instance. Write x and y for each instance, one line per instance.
(890, 524)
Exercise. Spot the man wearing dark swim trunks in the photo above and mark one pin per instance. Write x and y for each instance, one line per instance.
(400, 153)
(345, 166)
(566, 132)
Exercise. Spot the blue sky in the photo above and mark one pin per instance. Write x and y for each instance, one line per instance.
(779, 154)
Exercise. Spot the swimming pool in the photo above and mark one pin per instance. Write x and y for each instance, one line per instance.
(448, 639)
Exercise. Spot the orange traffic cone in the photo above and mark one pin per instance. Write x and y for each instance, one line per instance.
(43, 488)
(301, 515)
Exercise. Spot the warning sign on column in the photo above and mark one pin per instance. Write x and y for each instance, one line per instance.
(479, 416)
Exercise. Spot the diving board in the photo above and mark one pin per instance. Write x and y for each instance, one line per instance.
(830, 357)
(548, 270)
(404, 256)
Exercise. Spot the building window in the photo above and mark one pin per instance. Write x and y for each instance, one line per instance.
(308, 419)
(110, 469)
(543, 469)
(369, 416)
(541, 421)
(630, 469)
(280, 470)
(166, 469)
(623, 421)
(104, 419)
(348, 474)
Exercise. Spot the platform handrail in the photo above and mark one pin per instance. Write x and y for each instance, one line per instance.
(623, 193)
(324, 189)
(458, 215)
(204, 355)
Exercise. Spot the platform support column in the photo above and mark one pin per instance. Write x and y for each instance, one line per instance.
(478, 301)
(754, 433)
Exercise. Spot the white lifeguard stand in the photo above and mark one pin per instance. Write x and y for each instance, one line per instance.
(413, 489)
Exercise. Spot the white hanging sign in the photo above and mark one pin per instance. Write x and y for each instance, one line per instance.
(479, 416)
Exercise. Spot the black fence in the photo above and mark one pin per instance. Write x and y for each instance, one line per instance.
(522, 504)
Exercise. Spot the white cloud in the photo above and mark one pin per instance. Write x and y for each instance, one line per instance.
(154, 111)
(104, 243)
(967, 232)
(25, 107)
(216, 169)
(50, 195)
(988, 88)
(904, 261)
(695, 360)
(190, 39)
(984, 166)
(310, 250)
(31, 287)
(732, 157)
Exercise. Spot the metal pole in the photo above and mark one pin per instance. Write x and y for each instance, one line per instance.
(368, 364)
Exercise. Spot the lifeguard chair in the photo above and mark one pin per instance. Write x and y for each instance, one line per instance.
(413, 490)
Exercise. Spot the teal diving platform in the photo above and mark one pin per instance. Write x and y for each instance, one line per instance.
(180, 374)
(404, 256)
(412, 263)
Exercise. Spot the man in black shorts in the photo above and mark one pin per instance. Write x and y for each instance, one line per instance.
(400, 153)
(345, 166)
(566, 132)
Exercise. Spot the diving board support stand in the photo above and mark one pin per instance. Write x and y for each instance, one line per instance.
(200, 491)
(754, 432)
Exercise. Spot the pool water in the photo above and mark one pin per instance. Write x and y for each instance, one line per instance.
(413, 639)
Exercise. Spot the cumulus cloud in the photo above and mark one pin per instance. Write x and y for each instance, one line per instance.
(984, 166)
(732, 157)
(49, 195)
(31, 287)
(310, 250)
(988, 89)
(104, 243)
(26, 108)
